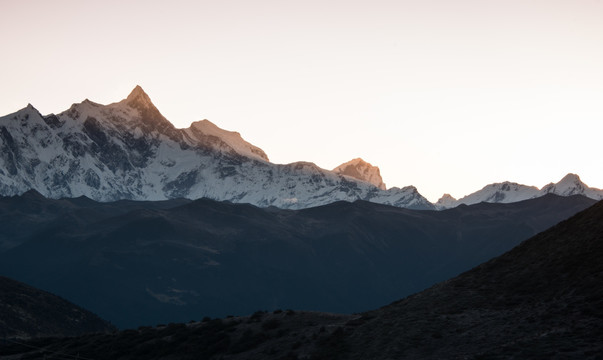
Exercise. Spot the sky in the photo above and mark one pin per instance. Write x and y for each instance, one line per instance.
(444, 95)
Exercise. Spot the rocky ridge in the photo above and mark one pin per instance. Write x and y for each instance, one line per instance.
(129, 150)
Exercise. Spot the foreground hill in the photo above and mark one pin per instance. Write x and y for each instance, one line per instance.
(541, 300)
(27, 312)
(144, 263)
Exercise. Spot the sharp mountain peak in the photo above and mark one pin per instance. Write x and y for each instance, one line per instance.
(138, 98)
(137, 92)
(359, 169)
(570, 177)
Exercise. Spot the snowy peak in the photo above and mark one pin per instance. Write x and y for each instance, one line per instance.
(569, 185)
(26, 117)
(128, 150)
(572, 185)
(29, 109)
(505, 192)
(149, 114)
(508, 192)
(204, 132)
(138, 98)
(361, 170)
(574, 178)
(446, 201)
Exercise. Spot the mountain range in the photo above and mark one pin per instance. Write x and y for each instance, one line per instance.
(508, 192)
(143, 263)
(128, 150)
(541, 300)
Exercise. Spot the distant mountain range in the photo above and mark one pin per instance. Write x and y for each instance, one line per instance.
(508, 192)
(143, 263)
(541, 300)
(128, 150)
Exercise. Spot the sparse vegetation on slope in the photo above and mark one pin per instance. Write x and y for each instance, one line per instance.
(27, 312)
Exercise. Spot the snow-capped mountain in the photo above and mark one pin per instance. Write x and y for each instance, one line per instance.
(572, 185)
(508, 192)
(445, 202)
(361, 170)
(505, 192)
(128, 150)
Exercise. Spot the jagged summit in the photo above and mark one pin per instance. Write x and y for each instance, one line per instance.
(570, 177)
(128, 150)
(139, 97)
(149, 114)
(29, 109)
(361, 170)
(571, 184)
(446, 201)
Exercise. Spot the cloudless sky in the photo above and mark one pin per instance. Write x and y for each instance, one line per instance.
(444, 95)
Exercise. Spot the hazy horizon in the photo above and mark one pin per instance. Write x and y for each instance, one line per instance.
(445, 96)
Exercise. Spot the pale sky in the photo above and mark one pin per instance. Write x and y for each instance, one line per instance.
(444, 95)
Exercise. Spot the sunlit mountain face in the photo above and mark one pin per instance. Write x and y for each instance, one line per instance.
(129, 150)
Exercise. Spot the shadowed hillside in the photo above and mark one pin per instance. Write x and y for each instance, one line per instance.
(28, 312)
(541, 300)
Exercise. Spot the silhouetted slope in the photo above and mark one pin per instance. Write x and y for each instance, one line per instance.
(28, 312)
(543, 299)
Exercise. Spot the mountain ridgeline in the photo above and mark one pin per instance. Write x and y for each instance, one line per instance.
(143, 263)
(128, 150)
(508, 192)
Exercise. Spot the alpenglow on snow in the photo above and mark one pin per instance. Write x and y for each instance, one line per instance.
(128, 150)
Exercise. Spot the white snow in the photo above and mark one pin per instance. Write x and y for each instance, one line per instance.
(204, 130)
(124, 156)
(508, 192)
(201, 161)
